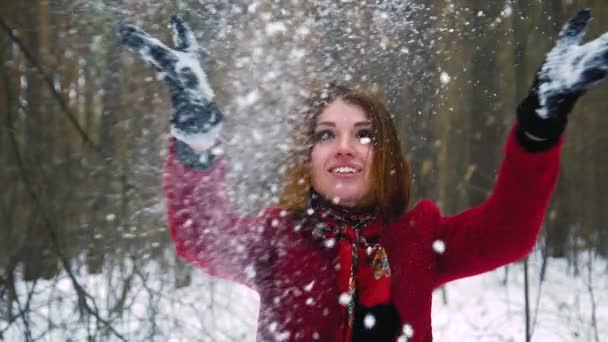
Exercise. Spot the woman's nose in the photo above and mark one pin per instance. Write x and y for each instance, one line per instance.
(345, 146)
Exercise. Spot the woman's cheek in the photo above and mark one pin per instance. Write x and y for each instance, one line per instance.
(316, 167)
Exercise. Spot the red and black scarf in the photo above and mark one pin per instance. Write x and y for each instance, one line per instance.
(363, 271)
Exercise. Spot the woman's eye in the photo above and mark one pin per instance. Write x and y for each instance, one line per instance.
(365, 136)
(322, 136)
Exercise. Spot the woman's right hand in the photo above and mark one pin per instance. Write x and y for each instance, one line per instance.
(196, 120)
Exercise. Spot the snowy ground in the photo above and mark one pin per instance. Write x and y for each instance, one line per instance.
(483, 308)
(149, 308)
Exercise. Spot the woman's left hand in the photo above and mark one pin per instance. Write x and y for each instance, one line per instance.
(569, 70)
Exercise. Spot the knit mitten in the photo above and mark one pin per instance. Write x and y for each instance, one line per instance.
(196, 121)
(568, 71)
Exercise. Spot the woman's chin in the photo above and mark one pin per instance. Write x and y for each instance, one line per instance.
(347, 200)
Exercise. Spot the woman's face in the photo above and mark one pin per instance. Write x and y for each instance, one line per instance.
(342, 154)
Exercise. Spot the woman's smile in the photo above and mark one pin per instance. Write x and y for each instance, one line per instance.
(345, 171)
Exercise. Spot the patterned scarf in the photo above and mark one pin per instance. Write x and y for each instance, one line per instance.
(363, 278)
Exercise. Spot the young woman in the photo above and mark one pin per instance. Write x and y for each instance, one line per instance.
(342, 258)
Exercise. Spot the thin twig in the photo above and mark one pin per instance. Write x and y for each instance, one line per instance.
(596, 334)
(537, 303)
(64, 107)
(527, 300)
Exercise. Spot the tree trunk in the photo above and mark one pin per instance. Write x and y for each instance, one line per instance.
(39, 261)
(487, 109)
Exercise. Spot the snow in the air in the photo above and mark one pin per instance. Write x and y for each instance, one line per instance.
(507, 11)
(408, 331)
(329, 243)
(369, 321)
(365, 140)
(309, 286)
(444, 77)
(345, 298)
(439, 246)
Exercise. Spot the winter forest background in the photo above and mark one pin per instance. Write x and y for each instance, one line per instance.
(84, 250)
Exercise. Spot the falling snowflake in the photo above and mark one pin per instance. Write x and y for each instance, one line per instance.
(365, 140)
(408, 331)
(445, 78)
(309, 286)
(507, 11)
(369, 321)
(275, 28)
(345, 298)
(439, 246)
(282, 336)
(329, 243)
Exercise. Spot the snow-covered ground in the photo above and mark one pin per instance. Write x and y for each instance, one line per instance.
(141, 303)
(485, 308)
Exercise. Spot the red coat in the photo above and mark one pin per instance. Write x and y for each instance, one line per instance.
(295, 275)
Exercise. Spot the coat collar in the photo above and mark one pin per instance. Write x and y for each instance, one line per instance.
(330, 217)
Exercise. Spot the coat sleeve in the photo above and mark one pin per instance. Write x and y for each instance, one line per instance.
(206, 232)
(505, 227)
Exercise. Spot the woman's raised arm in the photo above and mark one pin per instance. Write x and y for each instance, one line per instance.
(206, 231)
(505, 227)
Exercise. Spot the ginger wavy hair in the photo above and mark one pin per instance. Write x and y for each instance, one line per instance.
(390, 174)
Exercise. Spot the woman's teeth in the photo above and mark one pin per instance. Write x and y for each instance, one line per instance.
(344, 170)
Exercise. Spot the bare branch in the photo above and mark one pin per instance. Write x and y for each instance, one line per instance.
(85, 300)
(64, 107)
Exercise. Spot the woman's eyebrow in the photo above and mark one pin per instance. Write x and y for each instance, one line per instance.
(333, 124)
